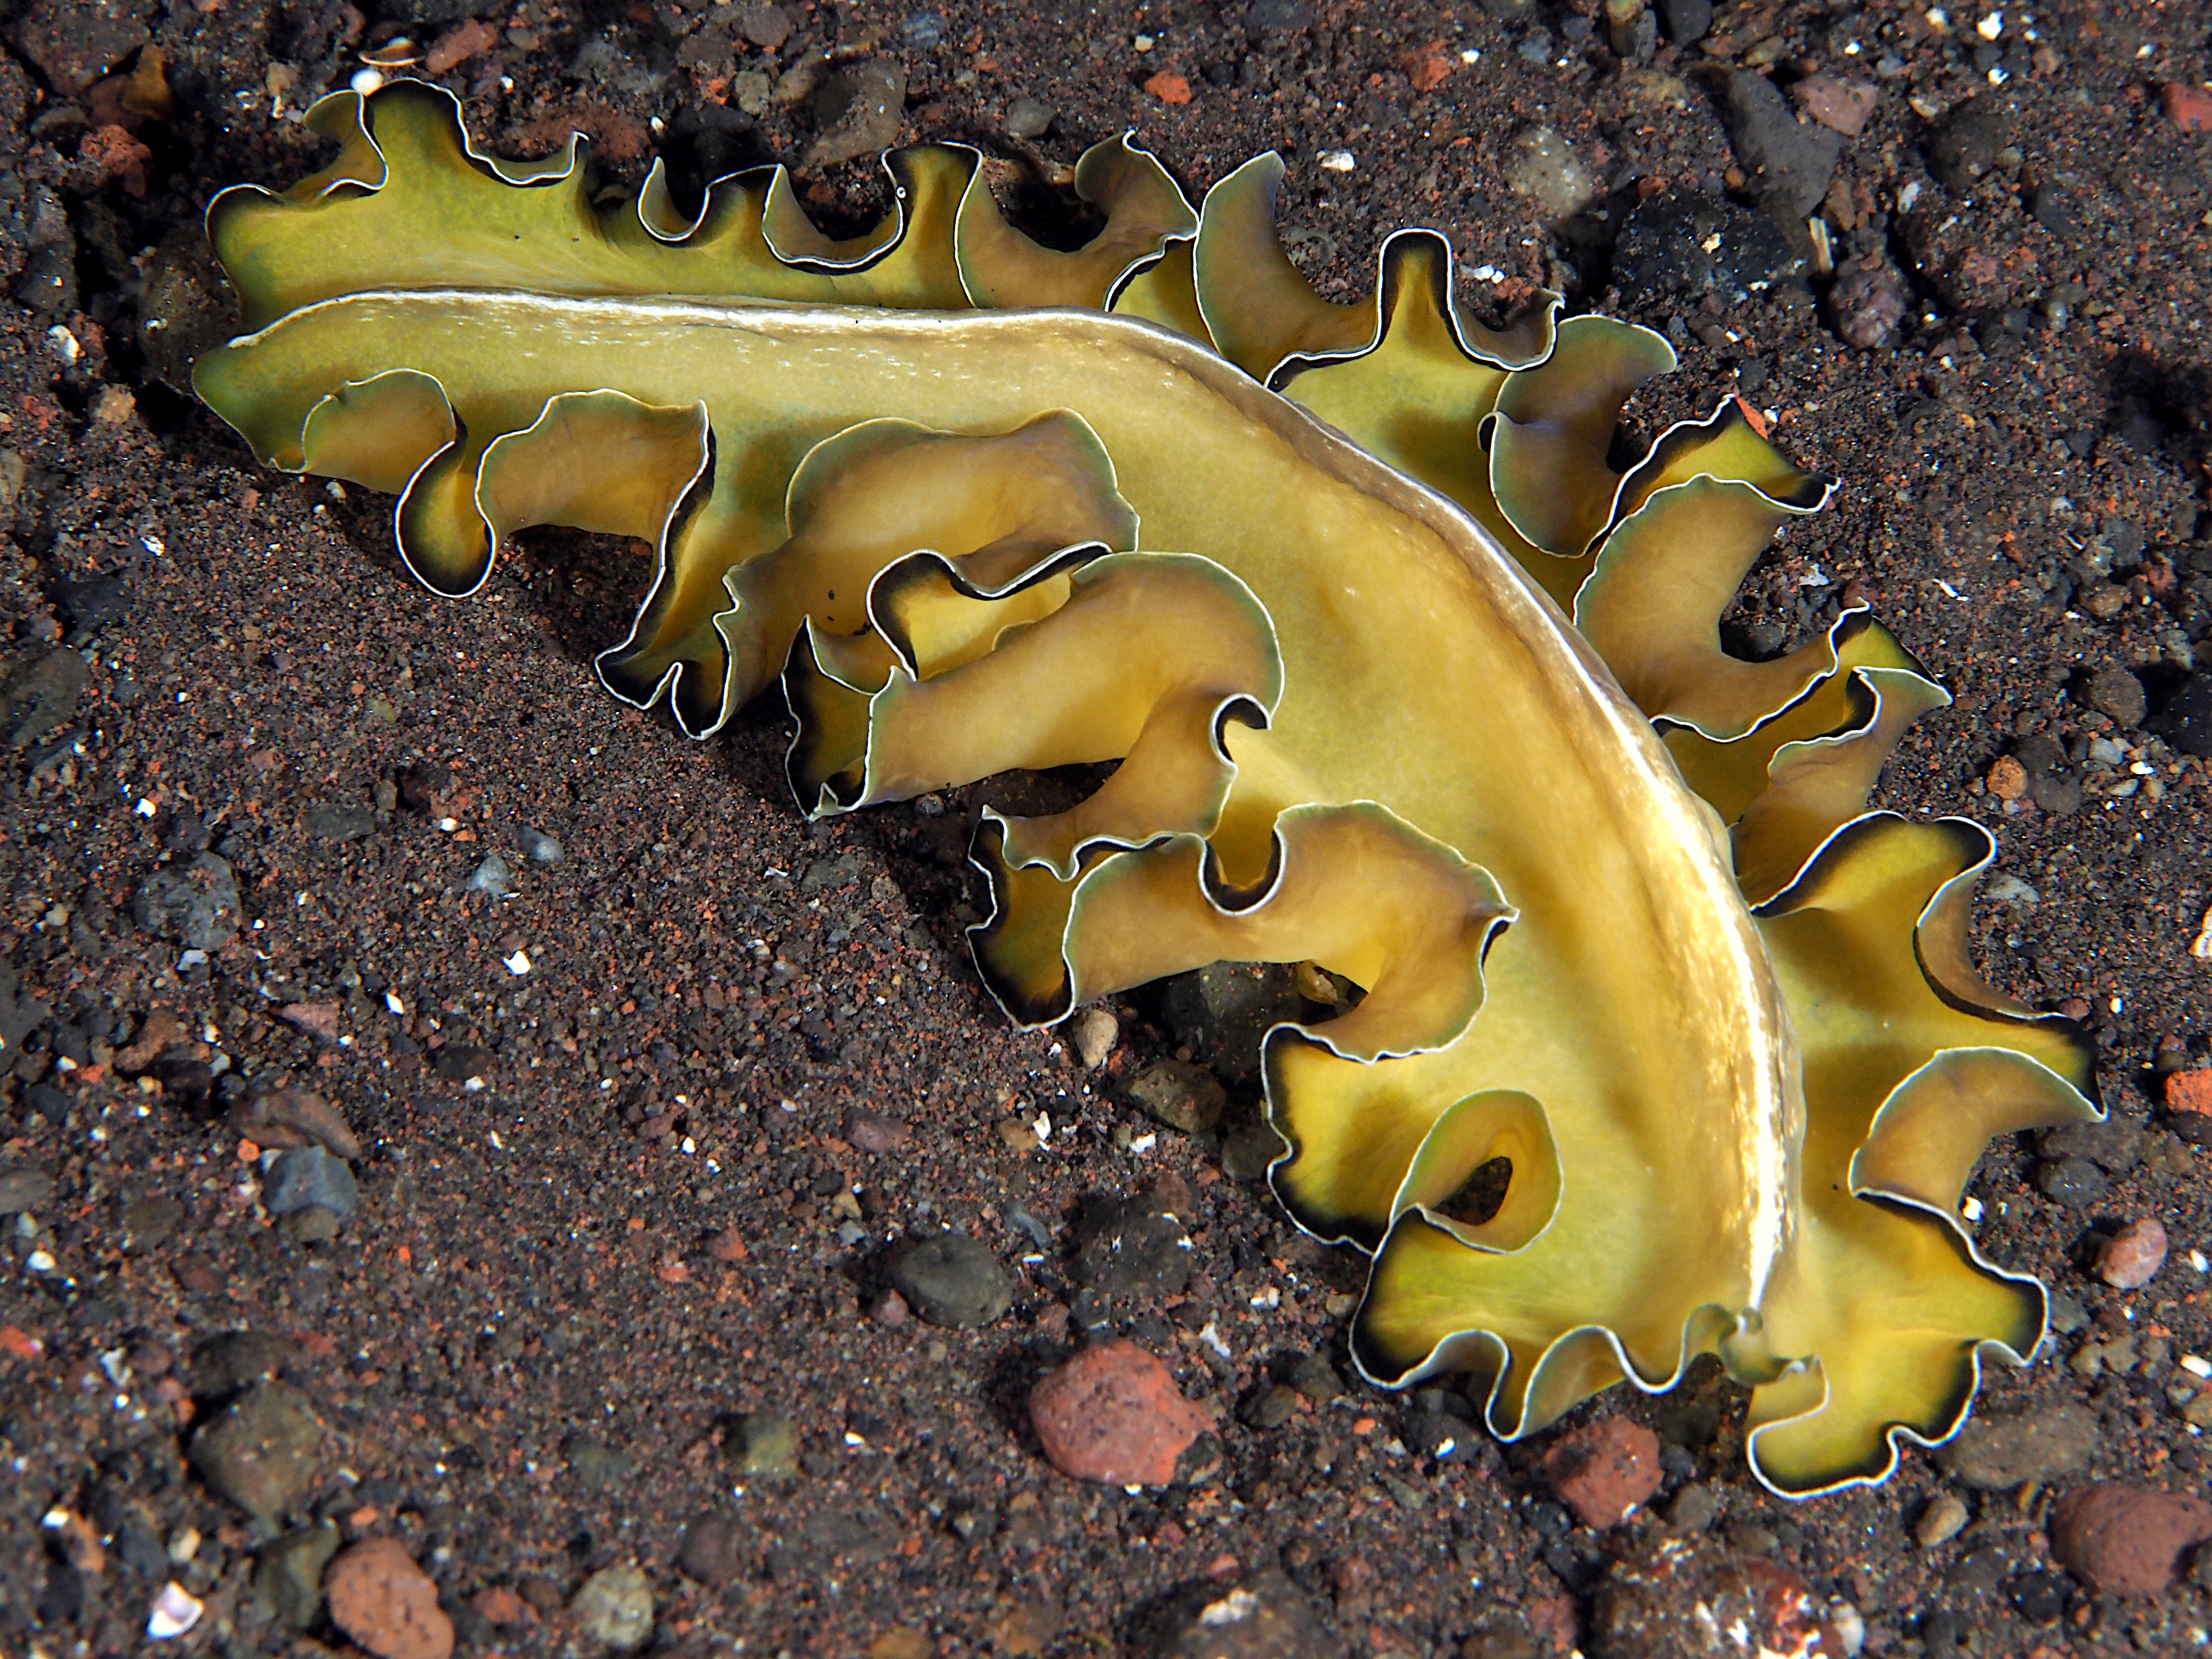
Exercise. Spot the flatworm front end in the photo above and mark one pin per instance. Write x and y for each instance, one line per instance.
(1397, 675)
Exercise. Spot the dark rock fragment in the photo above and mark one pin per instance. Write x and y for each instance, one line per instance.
(1687, 21)
(260, 1450)
(1968, 141)
(953, 1281)
(2113, 691)
(1264, 1616)
(40, 695)
(1687, 244)
(1794, 162)
(1129, 1246)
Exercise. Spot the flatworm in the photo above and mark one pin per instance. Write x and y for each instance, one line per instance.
(1398, 676)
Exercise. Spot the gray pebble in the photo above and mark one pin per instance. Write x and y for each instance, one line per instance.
(859, 109)
(716, 1548)
(953, 1281)
(1180, 1094)
(1027, 118)
(40, 695)
(1687, 21)
(2113, 691)
(260, 1450)
(327, 821)
(1794, 160)
(492, 878)
(765, 1443)
(1272, 1407)
(193, 904)
(2116, 1146)
(1997, 1453)
(1249, 1153)
(615, 1608)
(148, 1222)
(25, 1189)
(597, 1467)
(536, 846)
(2074, 1182)
(288, 1574)
(1545, 170)
(2068, 1316)
(303, 1176)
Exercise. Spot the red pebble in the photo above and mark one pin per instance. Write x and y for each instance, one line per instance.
(2188, 107)
(2131, 1257)
(1604, 1470)
(1114, 1414)
(2126, 1540)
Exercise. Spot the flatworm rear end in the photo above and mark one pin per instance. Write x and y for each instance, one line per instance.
(1399, 677)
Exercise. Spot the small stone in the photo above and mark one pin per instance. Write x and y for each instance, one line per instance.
(1315, 1378)
(288, 1574)
(1604, 1470)
(1096, 1033)
(767, 27)
(381, 1599)
(872, 1132)
(260, 1450)
(2007, 777)
(1943, 1519)
(315, 1019)
(278, 1118)
(1841, 105)
(1684, 245)
(1998, 1453)
(1129, 1246)
(224, 1365)
(194, 904)
(2114, 691)
(2126, 1540)
(74, 42)
(22, 1190)
(2188, 107)
(1169, 87)
(615, 1606)
(892, 1310)
(1180, 1094)
(2131, 1257)
(1865, 304)
(597, 1467)
(1027, 1628)
(301, 1177)
(493, 879)
(953, 1281)
(766, 1443)
(2074, 1182)
(1687, 21)
(1969, 140)
(1794, 162)
(148, 1222)
(2189, 1092)
(1694, 1509)
(1545, 170)
(536, 846)
(1265, 1616)
(716, 1548)
(1249, 1153)
(859, 109)
(1027, 118)
(1113, 1414)
(1273, 1407)
(2114, 1145)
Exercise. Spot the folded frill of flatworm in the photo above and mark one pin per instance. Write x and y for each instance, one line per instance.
(1284, 564)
